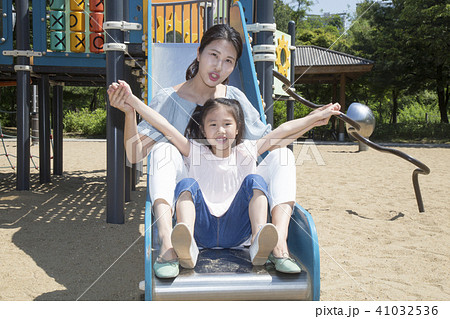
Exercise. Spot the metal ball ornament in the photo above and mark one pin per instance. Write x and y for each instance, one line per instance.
(363, 115)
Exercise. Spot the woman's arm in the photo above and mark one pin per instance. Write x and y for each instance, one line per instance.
(287, 132)
(123, 96)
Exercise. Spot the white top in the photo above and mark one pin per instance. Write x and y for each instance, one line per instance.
(220, 178)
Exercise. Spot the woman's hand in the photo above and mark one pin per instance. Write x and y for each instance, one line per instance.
(324, 113)
(118, 95)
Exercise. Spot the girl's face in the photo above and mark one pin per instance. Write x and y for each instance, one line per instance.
(216, 62)
(220, 129)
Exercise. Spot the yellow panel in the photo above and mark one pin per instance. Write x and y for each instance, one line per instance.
(77, 23)
(77, 42)
(77, 5)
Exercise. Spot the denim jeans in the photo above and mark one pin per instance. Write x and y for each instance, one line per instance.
(231, 229)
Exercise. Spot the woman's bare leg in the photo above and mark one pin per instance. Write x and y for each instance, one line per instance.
(281, 215)
(163, 217)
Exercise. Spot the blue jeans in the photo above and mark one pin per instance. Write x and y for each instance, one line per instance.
(231, 229)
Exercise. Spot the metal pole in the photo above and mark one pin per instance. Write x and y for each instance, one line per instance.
(57, 130)
(264, 14)
(34, 116)
(23, 97)
(341, 134)
(290, 102)
(115, 179)
(44, 130)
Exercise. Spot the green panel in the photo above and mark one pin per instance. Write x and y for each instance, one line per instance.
(57, 4)
(57, 41)
(57, 21)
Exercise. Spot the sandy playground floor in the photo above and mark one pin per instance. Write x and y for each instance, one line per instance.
(374, 244)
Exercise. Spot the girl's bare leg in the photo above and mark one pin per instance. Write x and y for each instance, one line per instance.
(257, 210)
(186, 210)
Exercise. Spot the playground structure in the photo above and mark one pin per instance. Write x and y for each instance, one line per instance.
(117, 46)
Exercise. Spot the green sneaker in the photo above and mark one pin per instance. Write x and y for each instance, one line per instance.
(166, 269)
(285, 265)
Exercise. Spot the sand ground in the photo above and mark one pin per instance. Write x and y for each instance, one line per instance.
(55, 243)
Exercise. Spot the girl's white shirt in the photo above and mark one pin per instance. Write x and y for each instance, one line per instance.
(220, 178)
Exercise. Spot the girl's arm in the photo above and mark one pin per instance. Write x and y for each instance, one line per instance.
(123, 98)
(136, 145)
(288, 132)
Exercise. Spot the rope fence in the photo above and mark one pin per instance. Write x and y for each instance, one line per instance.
(9, 155)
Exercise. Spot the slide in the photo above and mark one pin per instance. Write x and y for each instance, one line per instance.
(227, 274)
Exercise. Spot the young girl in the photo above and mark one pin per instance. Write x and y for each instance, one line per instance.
(211, 204)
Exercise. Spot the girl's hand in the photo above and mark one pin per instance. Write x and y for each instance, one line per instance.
(118, 95)
(324, 113)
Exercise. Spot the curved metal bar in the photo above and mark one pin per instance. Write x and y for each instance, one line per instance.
(288, 90)
(353, 131)
(422, 168)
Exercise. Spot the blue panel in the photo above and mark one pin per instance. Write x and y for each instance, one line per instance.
(72, 59)
(149, 51)
(246, 64)
(169, 60)
(7, 35)
(248, 10)
(136, 16)
(303, 243)
(39, 26)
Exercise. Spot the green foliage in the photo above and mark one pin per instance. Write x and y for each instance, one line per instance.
(84, 110)
(8, 106)
(408, 132)
(86, 122)
(421, 108)
(279, 112)
(78, 97)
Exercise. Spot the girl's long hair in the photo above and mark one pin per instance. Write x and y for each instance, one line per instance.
(216, 32)
(195, 125)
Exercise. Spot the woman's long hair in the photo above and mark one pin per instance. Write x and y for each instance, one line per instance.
(216, 32)
(195, 125)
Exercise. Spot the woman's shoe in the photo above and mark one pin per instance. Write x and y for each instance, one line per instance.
(265, 241)
(166, 269)
(184, 244)
(286, 265)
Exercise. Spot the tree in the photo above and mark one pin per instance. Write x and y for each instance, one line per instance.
(408, 40)
(294, 10)
(377, 34)
(426, 46)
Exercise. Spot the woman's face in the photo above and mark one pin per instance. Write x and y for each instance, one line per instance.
(216, 62)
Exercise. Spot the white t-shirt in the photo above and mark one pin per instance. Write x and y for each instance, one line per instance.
(220, 178)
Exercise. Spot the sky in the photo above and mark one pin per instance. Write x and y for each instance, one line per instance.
(332, 6)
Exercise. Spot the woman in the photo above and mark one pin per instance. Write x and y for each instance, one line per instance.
(206, 78)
